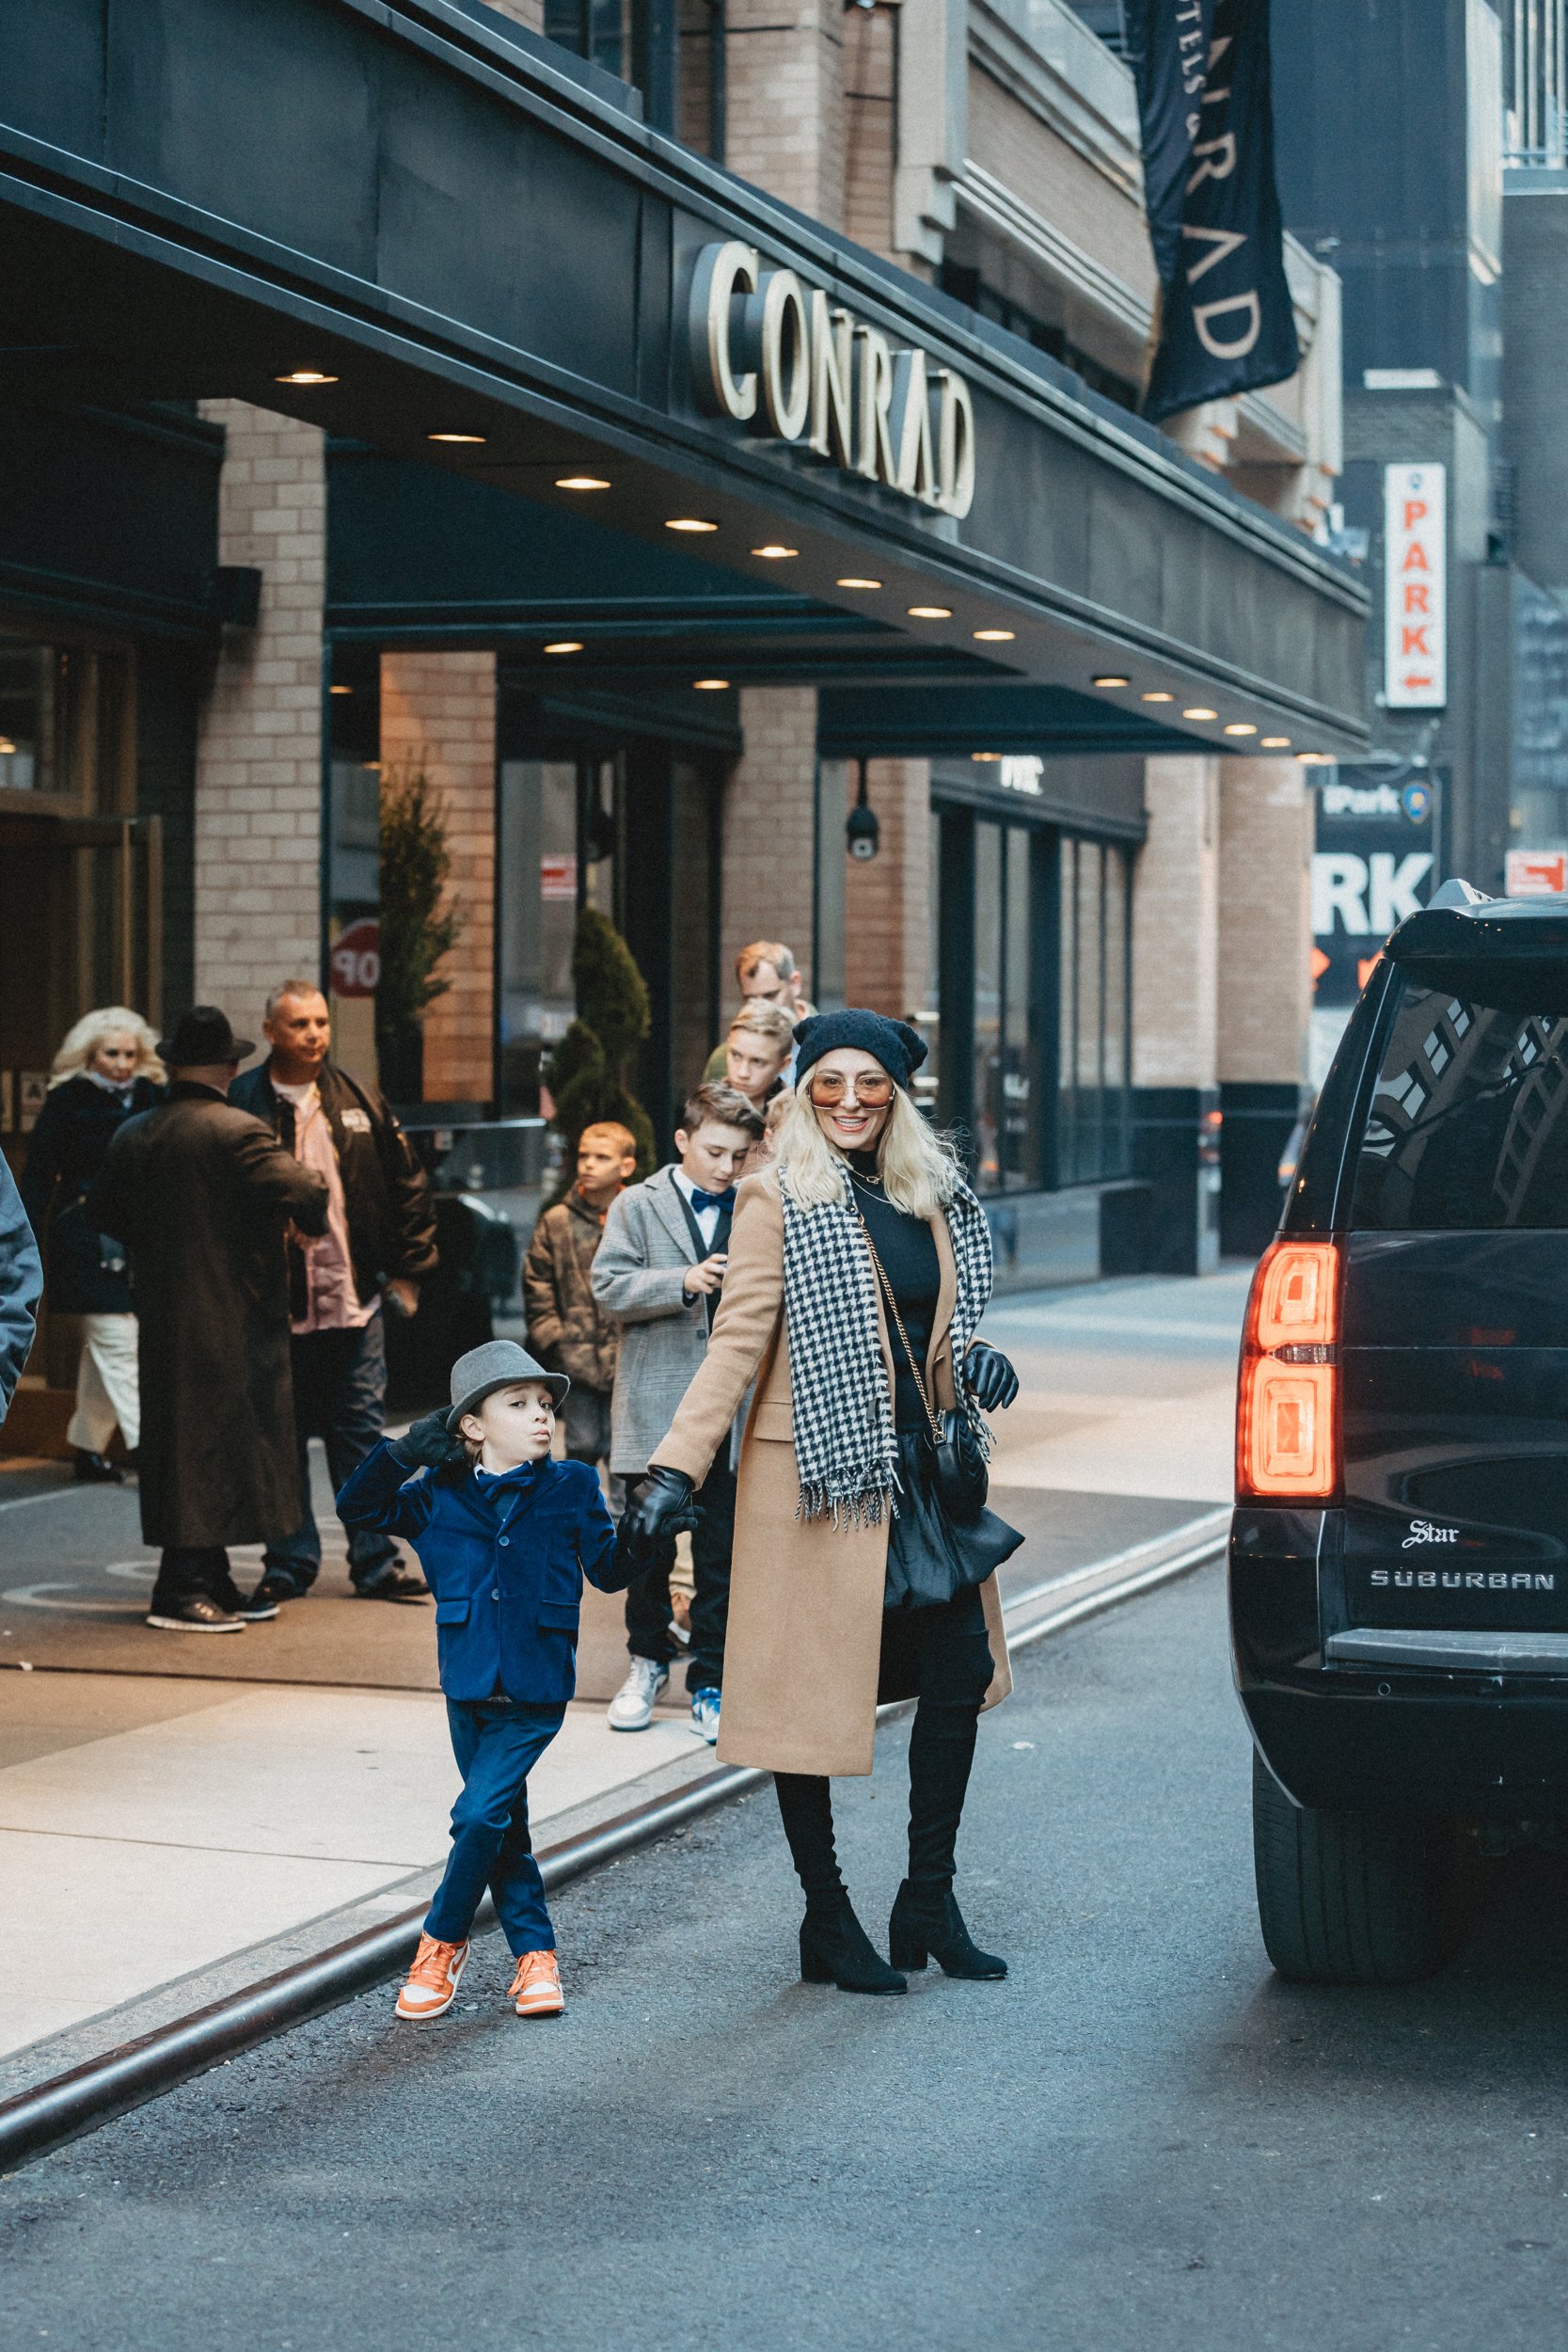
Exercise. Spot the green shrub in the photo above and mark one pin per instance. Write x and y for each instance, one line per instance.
(590, 1070)
(416, 930)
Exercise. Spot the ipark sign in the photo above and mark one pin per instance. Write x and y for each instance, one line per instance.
(1414, 588)
(783, 360)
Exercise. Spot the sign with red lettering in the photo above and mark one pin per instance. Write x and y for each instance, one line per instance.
(354, 958)
(1414, 588)
(558, 876)
(1536, 873)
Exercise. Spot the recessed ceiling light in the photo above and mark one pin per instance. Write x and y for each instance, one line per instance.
(1276, 743)
(1239, 726)
(566, 645)
(995, 636)
(774, 552)
(1315, 759)
(1199, 711)
(851, 580)
(474, 439)
(340, 689)
(1109, 679)
(929, 611)
(6, 747)
(581, 482)
(982, 755)
(689, 522)
(304, 375)
(1157, 697)
(710, 685)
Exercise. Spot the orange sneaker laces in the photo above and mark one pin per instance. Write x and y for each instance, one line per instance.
(533, 1964)
(432, 1962)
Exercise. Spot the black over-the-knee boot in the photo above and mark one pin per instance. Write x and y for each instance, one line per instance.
(834, 1947)
(926, 1915)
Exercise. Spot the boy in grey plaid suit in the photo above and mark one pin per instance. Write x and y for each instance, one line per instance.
(658, 1271)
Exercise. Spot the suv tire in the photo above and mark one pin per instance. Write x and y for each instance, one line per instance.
(1353, 1898)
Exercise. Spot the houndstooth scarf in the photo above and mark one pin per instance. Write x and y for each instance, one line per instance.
(845, 1445)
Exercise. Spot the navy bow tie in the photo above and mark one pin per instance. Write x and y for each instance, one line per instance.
(701, 1200)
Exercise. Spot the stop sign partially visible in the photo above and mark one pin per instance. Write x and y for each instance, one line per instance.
(355, 959)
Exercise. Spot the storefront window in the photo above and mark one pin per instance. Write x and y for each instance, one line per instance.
(1093, 1109)
(555, 853)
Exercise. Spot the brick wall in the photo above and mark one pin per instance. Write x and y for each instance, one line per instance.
(258, 755)
(1265, 921)
(768, 827)
(870, 85)
(1175, 908)
(529, 12)
(439, 712)
(886, 945)
(785, 102)
(1059, 182)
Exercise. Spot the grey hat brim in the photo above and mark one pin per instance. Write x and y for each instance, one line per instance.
(556, 1382)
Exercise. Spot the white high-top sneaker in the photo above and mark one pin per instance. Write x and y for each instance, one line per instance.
(632, 1707)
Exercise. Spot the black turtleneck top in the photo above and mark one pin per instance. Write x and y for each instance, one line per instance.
(909, 1256)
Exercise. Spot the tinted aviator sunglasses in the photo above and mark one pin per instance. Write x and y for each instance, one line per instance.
(872, 1090)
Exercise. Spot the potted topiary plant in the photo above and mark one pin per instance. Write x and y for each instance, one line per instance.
(417, 931)
(589, 1071)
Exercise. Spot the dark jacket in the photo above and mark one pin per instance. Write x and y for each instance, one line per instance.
(201, 1193)
(20, 1282)
(392, 1220)
(567, 1329)
(78, 1123)
(507, 1579)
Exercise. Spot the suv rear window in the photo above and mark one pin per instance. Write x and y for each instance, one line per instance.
(1468, 1127)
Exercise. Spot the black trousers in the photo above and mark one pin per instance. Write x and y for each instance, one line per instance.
(186, 1569)
(648, 1634)
(943, 1654)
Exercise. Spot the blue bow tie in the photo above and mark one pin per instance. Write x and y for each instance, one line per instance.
(701, 1200)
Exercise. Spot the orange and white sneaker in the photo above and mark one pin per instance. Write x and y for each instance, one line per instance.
(433, 1980)
(535, 1990)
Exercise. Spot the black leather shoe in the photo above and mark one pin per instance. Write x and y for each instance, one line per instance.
(393, 1584)
(836, 1949)
(277, 1588)
(96, 1470)
(199, 1613)
(256, 1610)
(932, 1927)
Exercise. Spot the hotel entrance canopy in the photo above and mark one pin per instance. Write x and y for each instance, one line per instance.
(449, 243)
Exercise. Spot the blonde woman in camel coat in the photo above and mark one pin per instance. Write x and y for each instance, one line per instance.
(850, 1583)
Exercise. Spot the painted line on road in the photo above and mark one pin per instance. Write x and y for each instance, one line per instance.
(52, 2112)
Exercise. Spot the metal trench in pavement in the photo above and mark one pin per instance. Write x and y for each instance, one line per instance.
(39, 2119)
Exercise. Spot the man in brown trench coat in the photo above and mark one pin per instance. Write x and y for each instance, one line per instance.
(201, 1195)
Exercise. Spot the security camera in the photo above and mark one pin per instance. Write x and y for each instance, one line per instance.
(863, 833)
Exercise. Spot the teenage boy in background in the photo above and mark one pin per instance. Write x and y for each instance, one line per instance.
(568, 1330)
(658, 1271)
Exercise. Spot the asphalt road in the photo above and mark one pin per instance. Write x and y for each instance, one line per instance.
(1141, 2141)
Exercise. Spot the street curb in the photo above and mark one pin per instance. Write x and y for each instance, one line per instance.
(52, 2112)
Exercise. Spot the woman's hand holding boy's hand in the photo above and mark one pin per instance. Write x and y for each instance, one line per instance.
(662, 1508)
(427, 1445)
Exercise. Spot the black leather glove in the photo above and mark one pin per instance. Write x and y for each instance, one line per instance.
(663, 1506)
(991, 1378)
(427, 1445)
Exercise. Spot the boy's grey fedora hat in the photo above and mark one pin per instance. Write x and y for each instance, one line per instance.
(496, 1365)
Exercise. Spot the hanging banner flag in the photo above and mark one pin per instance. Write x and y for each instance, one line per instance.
(1226, 321)
(1414, 588)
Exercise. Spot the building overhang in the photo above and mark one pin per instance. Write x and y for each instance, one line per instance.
(443, 217)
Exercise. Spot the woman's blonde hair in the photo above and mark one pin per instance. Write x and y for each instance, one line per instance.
(920, 1169)
(82, 1039)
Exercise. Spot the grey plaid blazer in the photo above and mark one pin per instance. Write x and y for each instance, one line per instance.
(642, 1256)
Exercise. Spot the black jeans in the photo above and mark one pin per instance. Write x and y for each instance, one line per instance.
(339, 1384)
(945, 1653)
(648, 1632)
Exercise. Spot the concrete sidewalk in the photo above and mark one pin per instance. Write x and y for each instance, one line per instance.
(182, 1816)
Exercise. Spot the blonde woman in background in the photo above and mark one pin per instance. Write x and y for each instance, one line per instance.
(104, 1072)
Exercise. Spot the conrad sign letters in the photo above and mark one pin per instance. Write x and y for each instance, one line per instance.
(785, 361)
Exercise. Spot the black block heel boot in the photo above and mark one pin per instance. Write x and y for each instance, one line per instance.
(927, 1923)
(836, 1949)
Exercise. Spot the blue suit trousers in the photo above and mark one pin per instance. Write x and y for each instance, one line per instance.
(496, 1743)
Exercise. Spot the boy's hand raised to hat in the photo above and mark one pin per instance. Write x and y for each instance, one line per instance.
(427, 1444)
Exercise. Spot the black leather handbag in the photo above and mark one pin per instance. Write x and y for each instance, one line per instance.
(959, 1470)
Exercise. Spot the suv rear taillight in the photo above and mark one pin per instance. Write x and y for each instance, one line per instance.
(1288, 1400)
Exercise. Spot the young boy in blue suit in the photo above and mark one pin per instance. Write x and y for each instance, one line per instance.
(505, 1537)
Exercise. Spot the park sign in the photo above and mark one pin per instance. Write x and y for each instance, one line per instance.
(1414, 588)
(791, 365)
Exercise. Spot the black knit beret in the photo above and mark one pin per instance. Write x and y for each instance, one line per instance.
(897, 1046)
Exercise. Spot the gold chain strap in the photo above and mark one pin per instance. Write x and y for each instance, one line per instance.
(886, 1288)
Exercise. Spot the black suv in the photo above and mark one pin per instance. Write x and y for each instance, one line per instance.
(1399, 1555)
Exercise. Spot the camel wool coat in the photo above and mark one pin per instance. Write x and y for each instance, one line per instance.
(803, 1649)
